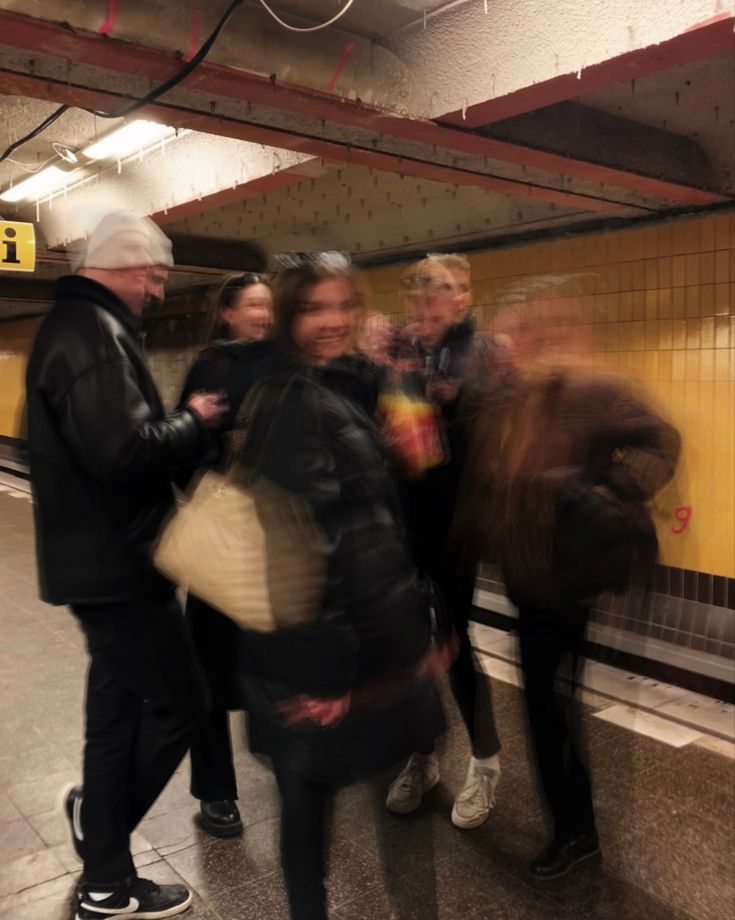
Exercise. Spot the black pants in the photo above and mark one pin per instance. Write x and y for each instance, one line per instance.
(456, 582)
(305, 808)
(549, 639)
(215, 639)
(212, 766)
(145, 696)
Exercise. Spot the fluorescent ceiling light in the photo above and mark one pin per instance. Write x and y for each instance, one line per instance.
(134, 136)
(42, 183)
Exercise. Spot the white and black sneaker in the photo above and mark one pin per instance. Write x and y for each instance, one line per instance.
(139, 898)
(71, 805)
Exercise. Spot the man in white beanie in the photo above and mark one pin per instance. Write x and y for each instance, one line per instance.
(102, 451)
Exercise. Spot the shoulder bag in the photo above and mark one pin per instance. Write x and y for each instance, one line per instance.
(244, 545)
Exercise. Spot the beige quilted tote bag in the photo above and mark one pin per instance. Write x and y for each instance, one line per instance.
(245, 546)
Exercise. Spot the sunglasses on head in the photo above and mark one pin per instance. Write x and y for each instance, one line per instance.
(291, 261)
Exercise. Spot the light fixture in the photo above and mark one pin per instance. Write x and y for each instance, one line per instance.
(42, 183)
(134, 136)
(66, 153)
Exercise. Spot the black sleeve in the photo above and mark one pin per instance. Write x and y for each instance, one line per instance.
(644, 448)
(204, 374)
(107, 424)
(208, 372)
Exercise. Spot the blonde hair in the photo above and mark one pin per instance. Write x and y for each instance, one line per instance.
(454, 261)
(418, 274)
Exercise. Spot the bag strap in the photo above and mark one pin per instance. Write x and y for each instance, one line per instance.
(241, 430)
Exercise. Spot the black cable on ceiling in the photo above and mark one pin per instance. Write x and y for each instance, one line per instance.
(47, 122)
(154, 94)
(180, 74)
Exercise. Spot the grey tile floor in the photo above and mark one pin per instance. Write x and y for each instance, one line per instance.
(665, 813)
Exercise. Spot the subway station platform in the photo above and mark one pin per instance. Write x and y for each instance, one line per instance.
(662, 765)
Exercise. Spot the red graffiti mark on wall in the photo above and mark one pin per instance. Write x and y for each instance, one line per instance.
(194, 44)
(683, 515)
(340, 64)
(109, 24)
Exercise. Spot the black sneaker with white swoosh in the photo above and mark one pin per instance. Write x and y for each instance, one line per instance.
(137, 899)
(71, 804)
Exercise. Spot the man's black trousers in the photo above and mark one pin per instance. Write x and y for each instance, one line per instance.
(145, 697)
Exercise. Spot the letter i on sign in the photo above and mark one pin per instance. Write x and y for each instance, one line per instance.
(17, 246)
(10, 257)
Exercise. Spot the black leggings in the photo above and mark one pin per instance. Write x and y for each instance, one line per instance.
(305, 808)
(548, 637)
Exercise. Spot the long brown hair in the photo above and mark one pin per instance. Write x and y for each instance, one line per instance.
(293, 282)
(518, 434)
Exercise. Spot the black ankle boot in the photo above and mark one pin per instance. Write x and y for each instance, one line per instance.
(220, 819)
(563, 855)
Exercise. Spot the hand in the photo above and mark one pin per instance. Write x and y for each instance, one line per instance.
(442, 391)
(322, 712)
(447, 650)
(208, 407)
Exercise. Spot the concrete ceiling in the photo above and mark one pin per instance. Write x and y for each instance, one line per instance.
(694, 100)
(412, 124)
(371, 213)
(376, 19)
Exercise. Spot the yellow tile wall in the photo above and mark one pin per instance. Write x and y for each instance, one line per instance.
(16, 339)
(661, 299)
(662, 303)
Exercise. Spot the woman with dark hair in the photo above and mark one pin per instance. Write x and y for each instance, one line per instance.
(353, 691)
(241, 312)
(244, 308)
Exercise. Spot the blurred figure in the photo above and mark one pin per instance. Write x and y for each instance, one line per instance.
(374, 338)
(402, 354)
(352, 692)
(459, 270)
(242, 312)
(102, 453)
(562, 467)
(454, 362)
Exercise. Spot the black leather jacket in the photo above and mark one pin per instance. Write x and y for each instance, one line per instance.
(101, 450)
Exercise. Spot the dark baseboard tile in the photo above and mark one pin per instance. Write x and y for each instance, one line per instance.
(688, 584)
(695, 586)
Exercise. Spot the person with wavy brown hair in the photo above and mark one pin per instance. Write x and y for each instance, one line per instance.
(562, 464)
(344, 696)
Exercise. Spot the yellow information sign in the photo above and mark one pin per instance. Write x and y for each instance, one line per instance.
(17, 246)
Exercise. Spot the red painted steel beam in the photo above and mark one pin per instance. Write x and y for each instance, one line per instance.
(331, 151)
(714, 36)
(124, 57)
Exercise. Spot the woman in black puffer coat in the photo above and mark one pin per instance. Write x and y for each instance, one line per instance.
(354, 691)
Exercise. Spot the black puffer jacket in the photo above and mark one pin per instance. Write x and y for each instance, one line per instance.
(101, 450)
(373, 630)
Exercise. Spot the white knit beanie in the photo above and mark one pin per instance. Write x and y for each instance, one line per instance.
(122, 240)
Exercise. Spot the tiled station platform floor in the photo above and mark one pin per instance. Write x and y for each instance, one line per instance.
(665, 807)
